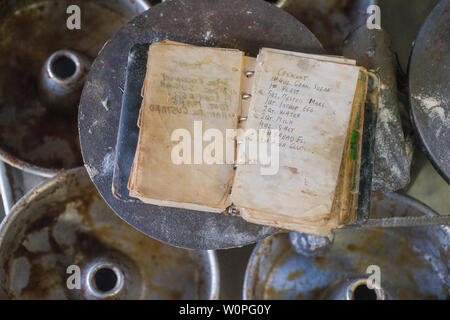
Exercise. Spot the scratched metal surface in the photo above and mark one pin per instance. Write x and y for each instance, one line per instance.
(247, 25)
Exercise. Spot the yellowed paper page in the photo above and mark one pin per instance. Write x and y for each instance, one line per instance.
(310, 103)
(184, 84)
(319, 226)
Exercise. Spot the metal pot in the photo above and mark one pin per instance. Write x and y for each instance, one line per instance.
(413, 262)
(38, 104)
(63, 227)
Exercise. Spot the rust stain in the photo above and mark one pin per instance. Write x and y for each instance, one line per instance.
(292, 170)
(295, 274)
(436, 53)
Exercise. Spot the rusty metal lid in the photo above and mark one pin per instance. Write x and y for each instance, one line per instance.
(64, 224)
(429, 87)
(247, 25)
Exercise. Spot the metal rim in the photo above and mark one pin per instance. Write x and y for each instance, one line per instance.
(26, 166)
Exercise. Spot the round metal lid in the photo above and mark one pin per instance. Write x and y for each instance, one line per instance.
(247, 25)
(430, 86)
(64, 225)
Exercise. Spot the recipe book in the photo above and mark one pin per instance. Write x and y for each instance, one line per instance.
(205, 109)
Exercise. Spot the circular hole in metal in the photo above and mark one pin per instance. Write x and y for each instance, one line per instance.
(63, 67)
(105, 279)
(362, 292)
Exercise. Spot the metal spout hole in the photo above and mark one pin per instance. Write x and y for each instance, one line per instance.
(63, 67)
(105, 279)
(362, 292)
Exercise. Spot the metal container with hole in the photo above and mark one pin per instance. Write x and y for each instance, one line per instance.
(413, 262)
(63, 225)
(34, 137)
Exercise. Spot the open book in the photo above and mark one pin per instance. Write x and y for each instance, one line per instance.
(277, 137)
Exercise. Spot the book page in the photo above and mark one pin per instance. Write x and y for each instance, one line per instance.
(320, 57)
(342, 210)
(193, 89)
(309, 102)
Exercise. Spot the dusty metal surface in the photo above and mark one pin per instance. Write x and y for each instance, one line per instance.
(32, 137)
(309, 244)
(429, 87)
(65, 222)
(246, 25)
(413, 261)
(331, 21)
(393, 152)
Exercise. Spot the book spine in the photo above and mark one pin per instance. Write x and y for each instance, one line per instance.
(246, 89)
